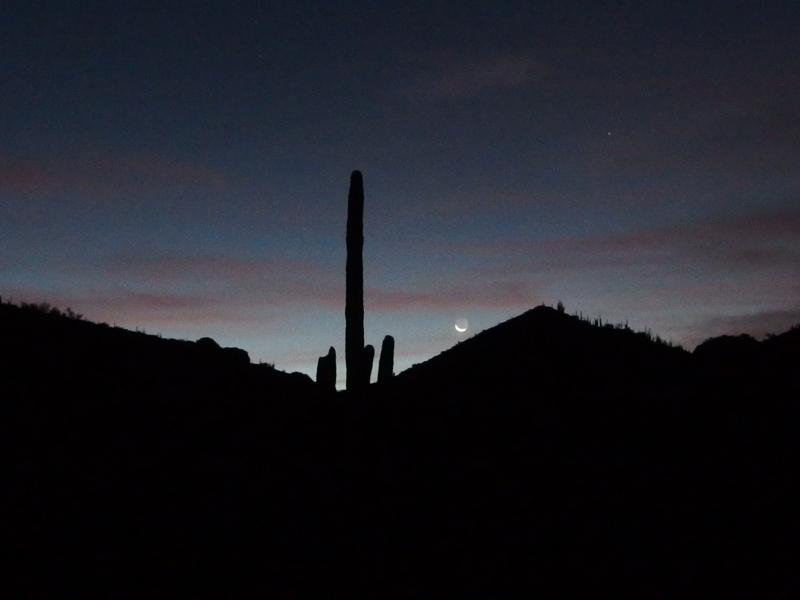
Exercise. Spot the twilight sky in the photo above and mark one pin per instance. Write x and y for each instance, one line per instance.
(182, 167)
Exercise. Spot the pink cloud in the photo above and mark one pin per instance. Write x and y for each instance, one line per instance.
(98, 174)
(281, 283)
(746, 263)
(735, 242)
(509, 294)
(167, 269)
(135, 308)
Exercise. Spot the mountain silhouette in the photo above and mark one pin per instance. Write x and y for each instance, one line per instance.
(528, 353)
(547, 454)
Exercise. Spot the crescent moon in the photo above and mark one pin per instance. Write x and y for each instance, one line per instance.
(461, 325)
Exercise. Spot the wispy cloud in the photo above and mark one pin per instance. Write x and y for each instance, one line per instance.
(501, 294)
(108, 175)
(171, 269)
(755, 241)
(674, 277)
(288, 282)
(454, 77)
(671, 278)
(137, 308)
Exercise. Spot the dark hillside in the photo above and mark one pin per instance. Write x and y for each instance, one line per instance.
(103, 359)
(546, 453)
(598, 454)
(544, 349)
(136, 456)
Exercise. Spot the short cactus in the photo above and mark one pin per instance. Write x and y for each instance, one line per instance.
(386, 362)
(326, 370)
(367, 360)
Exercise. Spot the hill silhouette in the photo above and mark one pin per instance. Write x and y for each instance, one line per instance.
(98, 358)
(546, 454)
(528, 350)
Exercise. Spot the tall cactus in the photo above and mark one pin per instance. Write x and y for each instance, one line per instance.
(326, 370)
(354, 301)
(386, 362)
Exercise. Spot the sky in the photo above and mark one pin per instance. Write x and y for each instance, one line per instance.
(182, 167)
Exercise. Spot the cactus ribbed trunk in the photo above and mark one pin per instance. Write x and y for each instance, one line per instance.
(354, 301)
(386, 362)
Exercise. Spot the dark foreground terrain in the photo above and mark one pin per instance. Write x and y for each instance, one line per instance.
(544, 457)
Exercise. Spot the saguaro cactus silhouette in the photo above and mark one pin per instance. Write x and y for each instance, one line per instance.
(354, 300)
(386, 362)
(326, 370)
